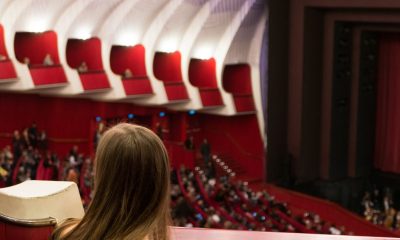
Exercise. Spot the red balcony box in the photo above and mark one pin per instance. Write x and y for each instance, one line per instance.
(94, 80)
(7, 70)
(137, 86)
(244, 102)
(211, 97)
(176, 91)
(47, 75)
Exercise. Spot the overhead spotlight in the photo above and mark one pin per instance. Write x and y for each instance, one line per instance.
(192, 112)
(131, 116)
(162, 114)
(98, 119)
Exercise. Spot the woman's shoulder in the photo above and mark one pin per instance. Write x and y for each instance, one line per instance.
(64, 228)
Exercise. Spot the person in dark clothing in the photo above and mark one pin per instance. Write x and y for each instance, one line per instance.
(189, 144)
(33, 135)
(205, 150)
(17, 145)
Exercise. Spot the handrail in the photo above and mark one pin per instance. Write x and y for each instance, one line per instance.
(49, 221)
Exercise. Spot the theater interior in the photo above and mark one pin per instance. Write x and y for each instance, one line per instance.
(279, 117)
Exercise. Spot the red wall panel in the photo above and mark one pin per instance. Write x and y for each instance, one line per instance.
(132, 58)
(237, 137)
(35, 46)
(202, 73)
(88, 51)
(167, 66)
(62, 118)
(69, 122)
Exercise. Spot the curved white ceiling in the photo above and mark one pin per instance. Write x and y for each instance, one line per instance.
(223, 29)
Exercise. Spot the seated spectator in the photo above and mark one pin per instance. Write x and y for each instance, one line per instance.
(48, 60)
(27, 61)
(83, 67)
(127, 73)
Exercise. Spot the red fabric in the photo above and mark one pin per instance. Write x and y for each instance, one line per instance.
(137, 86)
(167, 67)
(132, 58)
(3, 49)
(94, 81)
(15, 232)
(47, 75)
(387, 145)
(210, 97)
(7, 70)
(237, 79)
(202, 73)
(88, 51)
(176, 91)
(35, 46)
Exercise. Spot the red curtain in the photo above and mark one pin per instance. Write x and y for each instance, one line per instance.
(387, 146)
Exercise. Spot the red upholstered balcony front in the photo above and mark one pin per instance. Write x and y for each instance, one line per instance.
(211, 97)
(244, 102)
(94, 80)
(137, 86)
(176, 91)
(48, 75)
(7, 70)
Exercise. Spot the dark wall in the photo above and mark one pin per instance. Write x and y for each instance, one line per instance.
(277, 159)
(307, 167)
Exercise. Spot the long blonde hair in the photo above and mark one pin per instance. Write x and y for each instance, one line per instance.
(132, 181)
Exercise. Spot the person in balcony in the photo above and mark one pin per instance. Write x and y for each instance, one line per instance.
(48, 60)
(127, 73)
(83, 68)
(131, 189)
(27, 61)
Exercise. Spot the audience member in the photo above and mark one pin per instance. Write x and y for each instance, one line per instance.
(127, 73)
(48, 60)
(82, 68)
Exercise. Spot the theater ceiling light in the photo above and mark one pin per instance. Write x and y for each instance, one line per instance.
(127, 39)
(83, 33)
(168, 45)
(37, 25)
(203, 52)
